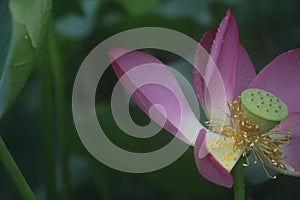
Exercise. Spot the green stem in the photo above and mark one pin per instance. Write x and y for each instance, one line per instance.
(59, 90)
(239, 180)
(13, 170)
(47, 124)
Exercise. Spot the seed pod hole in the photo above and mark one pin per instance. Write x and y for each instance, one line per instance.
(264, 104)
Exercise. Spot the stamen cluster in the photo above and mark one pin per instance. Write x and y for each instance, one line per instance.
(264, 146)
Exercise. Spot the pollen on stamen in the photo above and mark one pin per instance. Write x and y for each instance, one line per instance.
(247, 138)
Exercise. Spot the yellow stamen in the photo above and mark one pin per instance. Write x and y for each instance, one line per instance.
(264, 146)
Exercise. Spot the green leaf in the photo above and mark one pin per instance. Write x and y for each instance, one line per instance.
(28, 23)
(6, 33)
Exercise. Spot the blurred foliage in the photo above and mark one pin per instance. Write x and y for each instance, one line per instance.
(21, 46)
(267, 28)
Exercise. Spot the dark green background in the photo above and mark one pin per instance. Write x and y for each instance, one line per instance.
(267, 28)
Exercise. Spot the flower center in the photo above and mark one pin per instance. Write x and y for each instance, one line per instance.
(252, 119)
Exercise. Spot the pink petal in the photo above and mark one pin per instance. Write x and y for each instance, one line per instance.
(208, 167)
(198, 82)
(245, 71)
(152, 84)
(292, 151)
(223, 46)
(224, 51)
(282, 77)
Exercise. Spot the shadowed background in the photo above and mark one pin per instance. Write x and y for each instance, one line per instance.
(267, 28)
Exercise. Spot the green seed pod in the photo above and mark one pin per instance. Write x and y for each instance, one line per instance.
(263, 108)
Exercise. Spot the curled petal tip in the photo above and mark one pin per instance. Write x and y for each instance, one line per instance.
(229, 11)
(150, 83)
(115, 53)
(217, 84)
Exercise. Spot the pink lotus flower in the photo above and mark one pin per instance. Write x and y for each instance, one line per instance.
(263, 110)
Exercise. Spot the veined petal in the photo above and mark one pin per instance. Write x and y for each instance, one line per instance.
(245, 71)
(291, 152)
(224, 52)
(215, 157)
(200, 65)
(282, 77)
(222, 44)
(151, 83)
